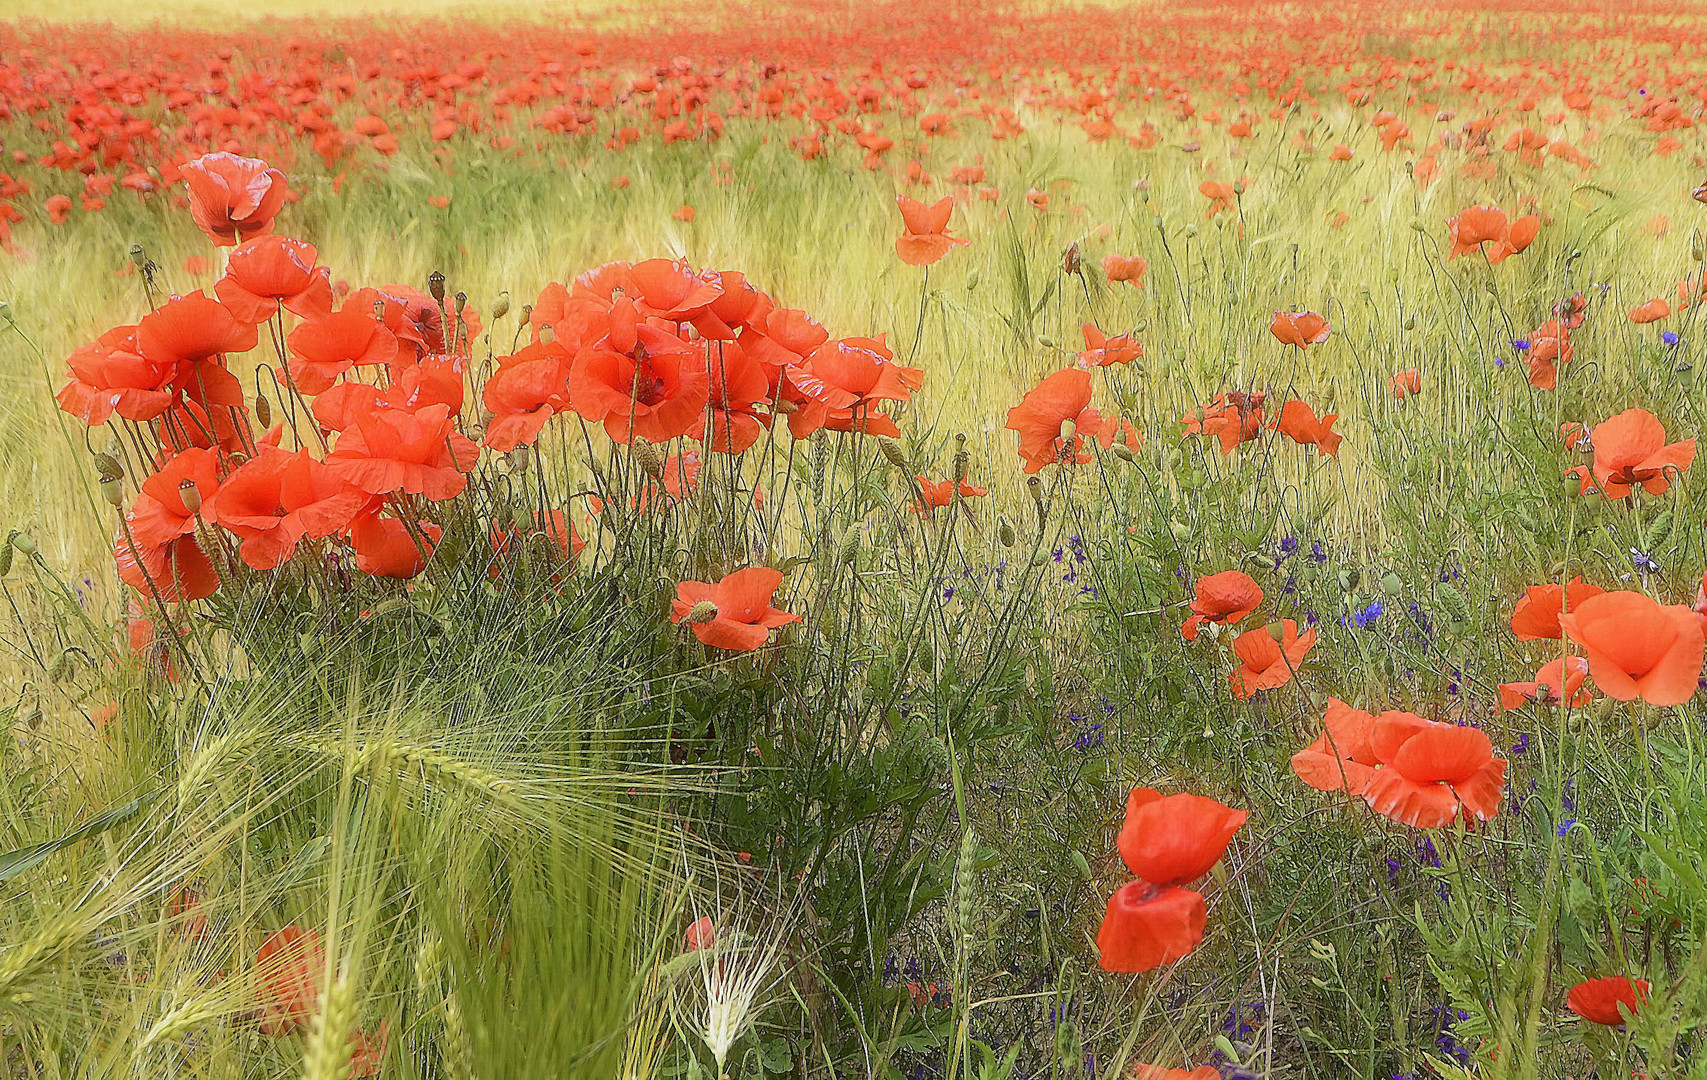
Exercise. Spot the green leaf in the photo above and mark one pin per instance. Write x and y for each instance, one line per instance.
(13, 863)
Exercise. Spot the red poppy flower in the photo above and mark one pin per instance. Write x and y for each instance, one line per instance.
(111, 376)
(1631, 449)
(1223, 598)
(161, 513)
(194, 333)
(1536, 617)
(1652, 311)
(701, 935)
(177, 570)
(671, 290)
(1175, 839)
(528, 388)
(388, 548)
(926, 238)
(290, 966)
(1342, 757)
(232, 196)
(1517, 238)
(326, 347)
(1234, 418)
(1599, 1000)
(933, 495)
(737, 387)
(742, 616)
(562, 543)
(1054, 418)
(1221, 196)
(1299, 423)
(1472, 228)
(1125, 268)
(1638, 648)
(276, 499)
(1431, 773)
(1700, 608)
(643, 382)
(1103, 351)
(421, 453)
(1141, 1071)
(1557, 681)
(1265, 663)
(272, 270)
(1148, 925)
(1300, 328)
(1406, 383)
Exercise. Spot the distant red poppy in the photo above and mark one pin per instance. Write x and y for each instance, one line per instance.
(1221, 196)
(290, 966)
(1300, 328)
(1104, 351)
(701, 935)
(1234, 418)
(1223, 598)
(1652, 311)
(1638, 648)
(925, 239)
(1266, 664)
(1299, 423)
(233, 197)
(1599, 1000)
(1631, 449)
(1141, 1071)
(1128, 268)
(935, 495)
(741, 615)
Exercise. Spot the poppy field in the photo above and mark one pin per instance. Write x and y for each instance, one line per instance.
(1005, 540)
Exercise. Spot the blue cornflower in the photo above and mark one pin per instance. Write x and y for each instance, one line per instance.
(1520, 344)
(1366, 617)
(1565, 825)
(1669, 338)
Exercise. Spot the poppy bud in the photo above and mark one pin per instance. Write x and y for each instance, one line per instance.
(1410, 322)
(786, 407)
(1082, 865)
(436, 285)
(24, 542)
(461, 302)
(1392, 583)
(138, 256)
(1034, 485)
(527, 312)
(894, 451)
(6, 554)
(1191, 232)
(650, 460)
(191, 496)
(109, 467)
(1418, 225)
(1393, 274)
(1180, 529)
(972, 280)
(1072, 262)
(1046, 341)
(6, 313)
(1277, 630)
(1264, 562)
(1124, 452)
(112, 490)
(702, 613)
(1143, 325)
(1005, 533)
(501, 306)
(1603, 710)
(519, 458)
(263, 411)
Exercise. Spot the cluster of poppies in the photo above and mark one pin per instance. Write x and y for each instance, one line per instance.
(373, 392)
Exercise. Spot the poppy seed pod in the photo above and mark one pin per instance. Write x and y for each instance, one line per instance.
(1005, 533)
(1392, 583)
(1349, 579)
(461, 302)
(1410, 322)
(112, 490)
(527, 312)
(1124, 452)
(191, 496)
(649, 459)
(501, 306)
(1047, 342)
(519, 458)
(1034, 485)
(436, 285)
(972, 280)
(701, 613)
(894, 451)
(138, 256)
(547, 334)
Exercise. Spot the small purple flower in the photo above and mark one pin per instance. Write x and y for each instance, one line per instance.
(1565, 825)
(1366, 617)
(1669, 338)
(1521, 344)
(1521, 746)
